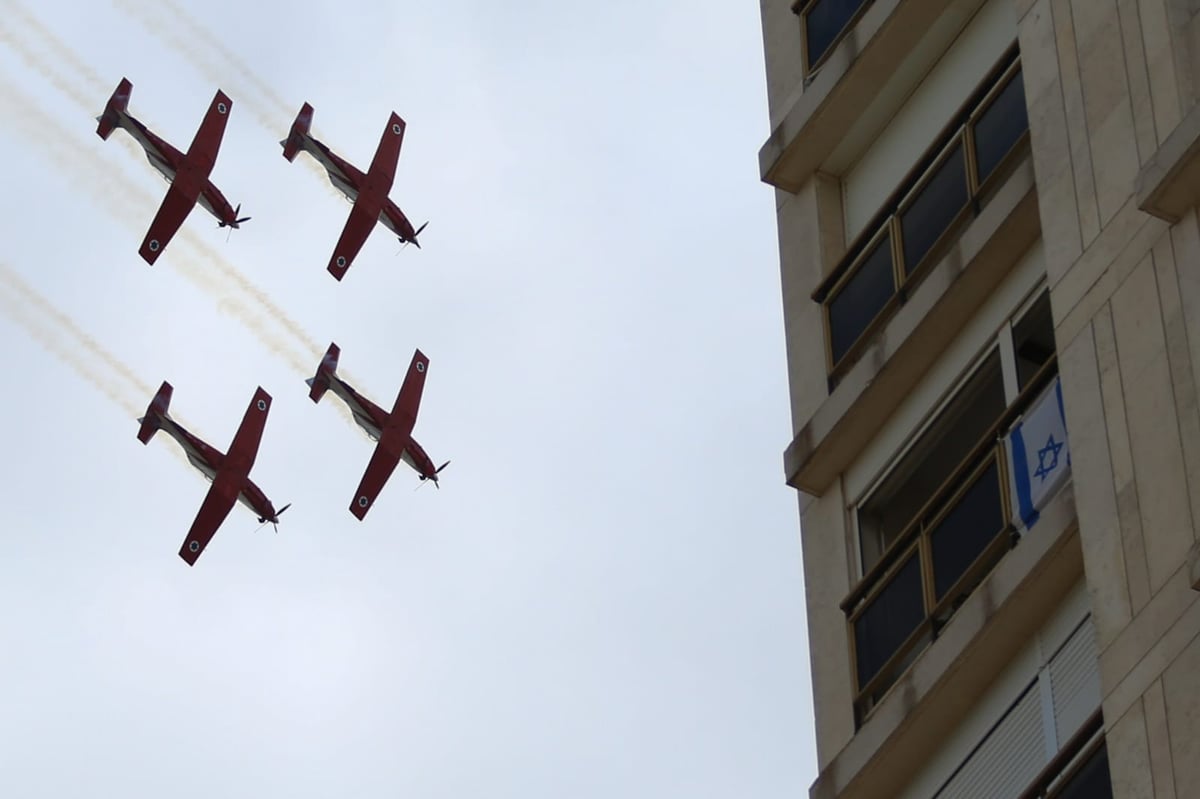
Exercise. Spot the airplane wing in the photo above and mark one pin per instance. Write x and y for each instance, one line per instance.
(408, 401)
(354, 235)
(203, 152)
(382, 464)
(174, 210)
(213, 510)
(383, 166)
(244, 448)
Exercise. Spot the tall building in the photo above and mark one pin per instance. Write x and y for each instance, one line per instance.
(990, 258)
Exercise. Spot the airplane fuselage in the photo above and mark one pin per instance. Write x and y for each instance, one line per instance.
(168, 161)
(350, 181)
(375, 421)
(209, 461)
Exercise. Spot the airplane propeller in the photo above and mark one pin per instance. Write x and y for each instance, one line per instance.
(236, 220)
(262, 520)
(433, 477)
(405, 242)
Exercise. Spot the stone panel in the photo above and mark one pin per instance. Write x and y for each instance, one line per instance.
(1182, 380)
(800, 265)
(1076, 117)
(1128, 513)
(1164, 90)
(1139, 80)
(1153, 426)
(1109, 119)
(1051, 146)
(1181, 691)
(1100, 534)
(1129, 756)
(1162, 770)
(824, 540)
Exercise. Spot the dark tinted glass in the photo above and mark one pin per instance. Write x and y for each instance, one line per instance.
(939, 201)
(932, 459)
(1033, 339)
(824, 21)
(1090, 782)
(861, 298)
(999, 127)
(888, 621)
(962, 535)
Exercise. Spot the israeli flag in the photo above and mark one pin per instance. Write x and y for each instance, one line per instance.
(1039, 454)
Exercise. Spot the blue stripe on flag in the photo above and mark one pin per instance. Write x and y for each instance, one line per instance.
(1021, 477)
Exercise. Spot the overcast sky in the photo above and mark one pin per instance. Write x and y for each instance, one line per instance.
(604, 599)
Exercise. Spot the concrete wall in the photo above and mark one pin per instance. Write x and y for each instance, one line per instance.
(1108, 81)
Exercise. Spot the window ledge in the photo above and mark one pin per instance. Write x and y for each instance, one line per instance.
(864, 79)
(1169, 184)
(922, 707)
(912, 339)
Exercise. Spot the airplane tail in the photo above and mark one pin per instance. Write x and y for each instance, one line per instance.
(155, 413)
(294, 143)
(117, 104)
(319, 383)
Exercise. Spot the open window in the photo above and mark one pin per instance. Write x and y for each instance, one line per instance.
(941, 518)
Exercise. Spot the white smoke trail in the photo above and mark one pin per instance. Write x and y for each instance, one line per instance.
(16, 309)
(62, 52)
(132, 205)
(188, 36)
(197, 30)
(57, 79)
(17, 286)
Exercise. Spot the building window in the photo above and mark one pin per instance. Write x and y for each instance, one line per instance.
(824, 23)
(1079, 770)
(863, 297)
(948, 183)
(999, 126)
(1090, 781)
(934, 206)
(941, 519)
(1033, 340)
(927, 466)
(1035, 750)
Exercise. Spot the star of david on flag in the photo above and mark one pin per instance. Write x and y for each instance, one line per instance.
(1039, 454)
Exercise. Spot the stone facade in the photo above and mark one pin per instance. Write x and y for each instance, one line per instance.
(1098, 207)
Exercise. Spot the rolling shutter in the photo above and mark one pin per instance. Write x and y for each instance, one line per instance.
(1075, 681)
(1007, 759)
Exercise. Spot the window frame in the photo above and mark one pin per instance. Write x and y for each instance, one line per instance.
(801, 8)
(1070, 759)
(959, 131)
(865, 248)
(989, 450)
(1002, 342)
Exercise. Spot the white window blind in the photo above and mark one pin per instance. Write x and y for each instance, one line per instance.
(1015, 750)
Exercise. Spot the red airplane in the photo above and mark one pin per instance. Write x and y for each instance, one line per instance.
(392, 430)
(186, 172)
(229, 473)
(368, 192)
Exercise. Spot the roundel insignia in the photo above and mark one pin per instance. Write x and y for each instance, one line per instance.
(262, 405)
(420, 366)
(363, 502)
(154, 245)
(193, 546)
(222, 108)
(341, 260)
(395, 129)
